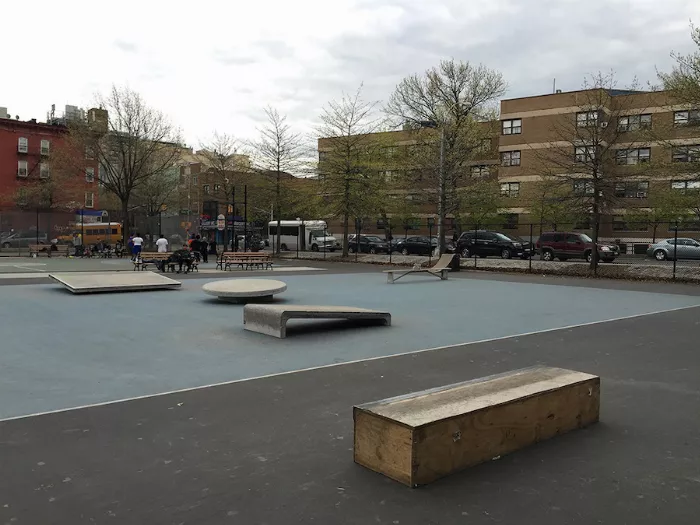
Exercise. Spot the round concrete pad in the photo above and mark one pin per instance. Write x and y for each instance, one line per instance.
(240, 289)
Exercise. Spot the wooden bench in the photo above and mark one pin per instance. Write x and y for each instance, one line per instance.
(147, 258)
(421, 437)
(60, 251)
(245, 260)
(272, 319)
(440, 269)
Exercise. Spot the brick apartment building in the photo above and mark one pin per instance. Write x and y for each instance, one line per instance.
(28, 160)
(651, 141)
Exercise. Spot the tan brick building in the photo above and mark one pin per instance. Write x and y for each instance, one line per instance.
(650, 146)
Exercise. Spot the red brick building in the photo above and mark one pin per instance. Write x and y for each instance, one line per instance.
(38, 172)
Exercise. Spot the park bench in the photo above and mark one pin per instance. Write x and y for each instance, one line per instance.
(147, 258)
(272, 319)
(440, 269)
(420, 437)
(60, 251)
(245, 260)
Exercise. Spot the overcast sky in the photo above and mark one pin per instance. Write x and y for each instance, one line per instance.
(214, 65)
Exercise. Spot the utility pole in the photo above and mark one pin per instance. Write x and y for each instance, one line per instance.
(233, 219)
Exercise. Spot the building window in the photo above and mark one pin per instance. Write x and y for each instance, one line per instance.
(619, 224)
(22, 145)
(480, 171)
(89, 153)
(633, 156)
(205, 189)
(510, 221)
(632, 190)
(686, 153)
(585, 119)
(634, 122)
(89, 199)
(217, 187)
(583, 187)
(510, 189)
(194, 179)
(688, 225)
(684, 185)
(322, 156)
(45, 146)
(44, 170)
(584, 153)
(510, 158)
(21, 168)
(687, 118)
(512, 127)
(89, 174)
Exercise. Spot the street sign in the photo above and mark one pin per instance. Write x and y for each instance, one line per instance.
(220, 223)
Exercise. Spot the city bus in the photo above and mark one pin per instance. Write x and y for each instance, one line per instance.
(302, 235)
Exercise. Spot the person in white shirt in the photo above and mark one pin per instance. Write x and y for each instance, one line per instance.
(162, 244)
(138, 242)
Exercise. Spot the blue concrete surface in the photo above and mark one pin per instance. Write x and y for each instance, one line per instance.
(59, 350)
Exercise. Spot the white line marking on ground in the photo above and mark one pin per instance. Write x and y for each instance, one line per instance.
(332, 365)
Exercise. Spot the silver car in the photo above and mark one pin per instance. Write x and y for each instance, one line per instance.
(666, 249)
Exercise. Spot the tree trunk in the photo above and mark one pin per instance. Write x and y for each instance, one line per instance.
(346, 232)
(278, 212)
(653, 239)
(596, 232)
(126, 227)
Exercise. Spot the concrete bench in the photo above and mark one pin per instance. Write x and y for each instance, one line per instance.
(272, 319)
(99, 282)
(440, 269)
(421, 437)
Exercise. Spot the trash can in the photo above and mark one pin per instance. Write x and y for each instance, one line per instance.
(454, 263)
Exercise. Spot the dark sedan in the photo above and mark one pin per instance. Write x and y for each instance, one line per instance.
(417, 245)
(368, 244)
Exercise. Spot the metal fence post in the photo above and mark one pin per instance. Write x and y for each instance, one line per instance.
(476, 242)
(358, 230)
(675, 249)
(532, 245)
(325, 234)
(389, 239)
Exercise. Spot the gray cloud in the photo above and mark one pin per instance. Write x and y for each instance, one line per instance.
(232, 58)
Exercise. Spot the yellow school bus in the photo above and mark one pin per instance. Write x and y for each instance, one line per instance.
(108, 232)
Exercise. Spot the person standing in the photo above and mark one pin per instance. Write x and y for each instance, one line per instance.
(162, 244)
(138, 243)
(203, 245)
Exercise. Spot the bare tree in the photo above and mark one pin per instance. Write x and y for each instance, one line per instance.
(132, 143)
(683, 83)
(347, 158)
(224, 163)
(682, 86)
(594, 148)
(455, 98)
(279, 152)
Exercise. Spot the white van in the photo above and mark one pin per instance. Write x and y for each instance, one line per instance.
(302, 235)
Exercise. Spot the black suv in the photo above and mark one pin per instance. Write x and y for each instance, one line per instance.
(486, 243)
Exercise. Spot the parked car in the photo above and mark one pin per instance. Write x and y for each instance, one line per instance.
(488, 243)
(23, 239)
(573, 245)
(368, 244)
(416, 245)
(666, 249)
(449, 245)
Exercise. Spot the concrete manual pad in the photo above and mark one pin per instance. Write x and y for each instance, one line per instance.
(84, 283)
(235, 290)
(272, 319)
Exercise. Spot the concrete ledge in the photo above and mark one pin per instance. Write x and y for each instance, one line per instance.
(272, 319)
